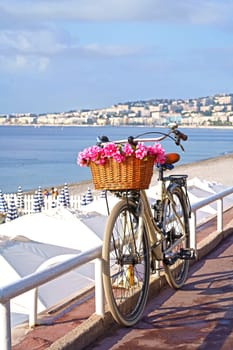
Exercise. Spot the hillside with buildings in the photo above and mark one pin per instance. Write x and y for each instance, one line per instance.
(214, 110)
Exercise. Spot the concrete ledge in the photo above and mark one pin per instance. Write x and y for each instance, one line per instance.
(85, 334)
(211, 241)
(95, 326)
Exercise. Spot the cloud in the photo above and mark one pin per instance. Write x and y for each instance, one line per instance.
(36, 42)
(23, 63)
(71, 45)
(35, 49)
(39, 30)
(97, 50)
(24, 50)
(210, 12)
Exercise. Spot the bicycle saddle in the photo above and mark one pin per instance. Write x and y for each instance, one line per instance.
(171, 158)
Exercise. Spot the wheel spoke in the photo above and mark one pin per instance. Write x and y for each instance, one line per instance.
(176, 228)
(127, 268)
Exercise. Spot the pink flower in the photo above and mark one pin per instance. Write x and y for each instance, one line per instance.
(91, 154)
(160, 153)
(141, 151)
(110, 149)
(83, 158)
(128, 150)
(119, 153)
(119, 157)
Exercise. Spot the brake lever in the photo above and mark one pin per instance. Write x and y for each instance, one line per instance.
(177, 141)
(101, 139)
(182, 148)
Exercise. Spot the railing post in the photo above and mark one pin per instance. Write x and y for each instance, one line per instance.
(5, 326)
(99, 290)
(220, 215)
(33, 310)
(192, 225)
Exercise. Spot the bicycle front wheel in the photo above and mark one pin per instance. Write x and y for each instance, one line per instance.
(176, 227)
(126, 258)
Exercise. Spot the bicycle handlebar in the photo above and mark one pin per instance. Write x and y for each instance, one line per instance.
(133, 140)
(181, 135)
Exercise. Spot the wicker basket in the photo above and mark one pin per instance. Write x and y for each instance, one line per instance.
(132, 174)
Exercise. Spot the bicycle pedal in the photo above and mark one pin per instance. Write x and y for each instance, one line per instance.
(187, 253)
(184, 254)
(170, 258)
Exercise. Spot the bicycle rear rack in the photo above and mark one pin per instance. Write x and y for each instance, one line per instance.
(180, 180)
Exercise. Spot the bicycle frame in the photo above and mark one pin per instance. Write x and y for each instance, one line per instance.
(156, 234)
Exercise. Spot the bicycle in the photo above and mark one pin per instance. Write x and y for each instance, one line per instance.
(138, 236)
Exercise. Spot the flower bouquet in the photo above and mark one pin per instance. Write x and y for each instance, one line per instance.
(121, 167)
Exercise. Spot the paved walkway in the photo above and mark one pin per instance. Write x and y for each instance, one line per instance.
(200, 316)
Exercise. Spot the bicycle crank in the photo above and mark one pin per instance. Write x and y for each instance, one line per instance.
(185, 254)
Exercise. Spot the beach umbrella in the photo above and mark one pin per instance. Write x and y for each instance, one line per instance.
(20, 198)
(40, 197)
(67, 195)
(83, 200)
(12, 210)
(3, 203)
(61, 198)
(36, 208)
(89, 197)
(54, 204)
(103, 194)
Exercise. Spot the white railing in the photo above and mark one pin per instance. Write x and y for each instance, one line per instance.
(35, 280)
(218, 197)
(49, 202)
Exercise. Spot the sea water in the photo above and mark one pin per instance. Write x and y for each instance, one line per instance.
(47, 156)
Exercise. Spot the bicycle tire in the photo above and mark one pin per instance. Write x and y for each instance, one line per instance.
(176, 273)
(126, 272)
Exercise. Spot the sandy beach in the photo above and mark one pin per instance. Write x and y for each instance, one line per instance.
(219, 170)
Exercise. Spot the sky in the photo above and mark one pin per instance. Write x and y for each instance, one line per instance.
(62, 55)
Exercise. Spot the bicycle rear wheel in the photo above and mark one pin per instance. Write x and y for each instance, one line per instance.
(126, 257)
(176, 227)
